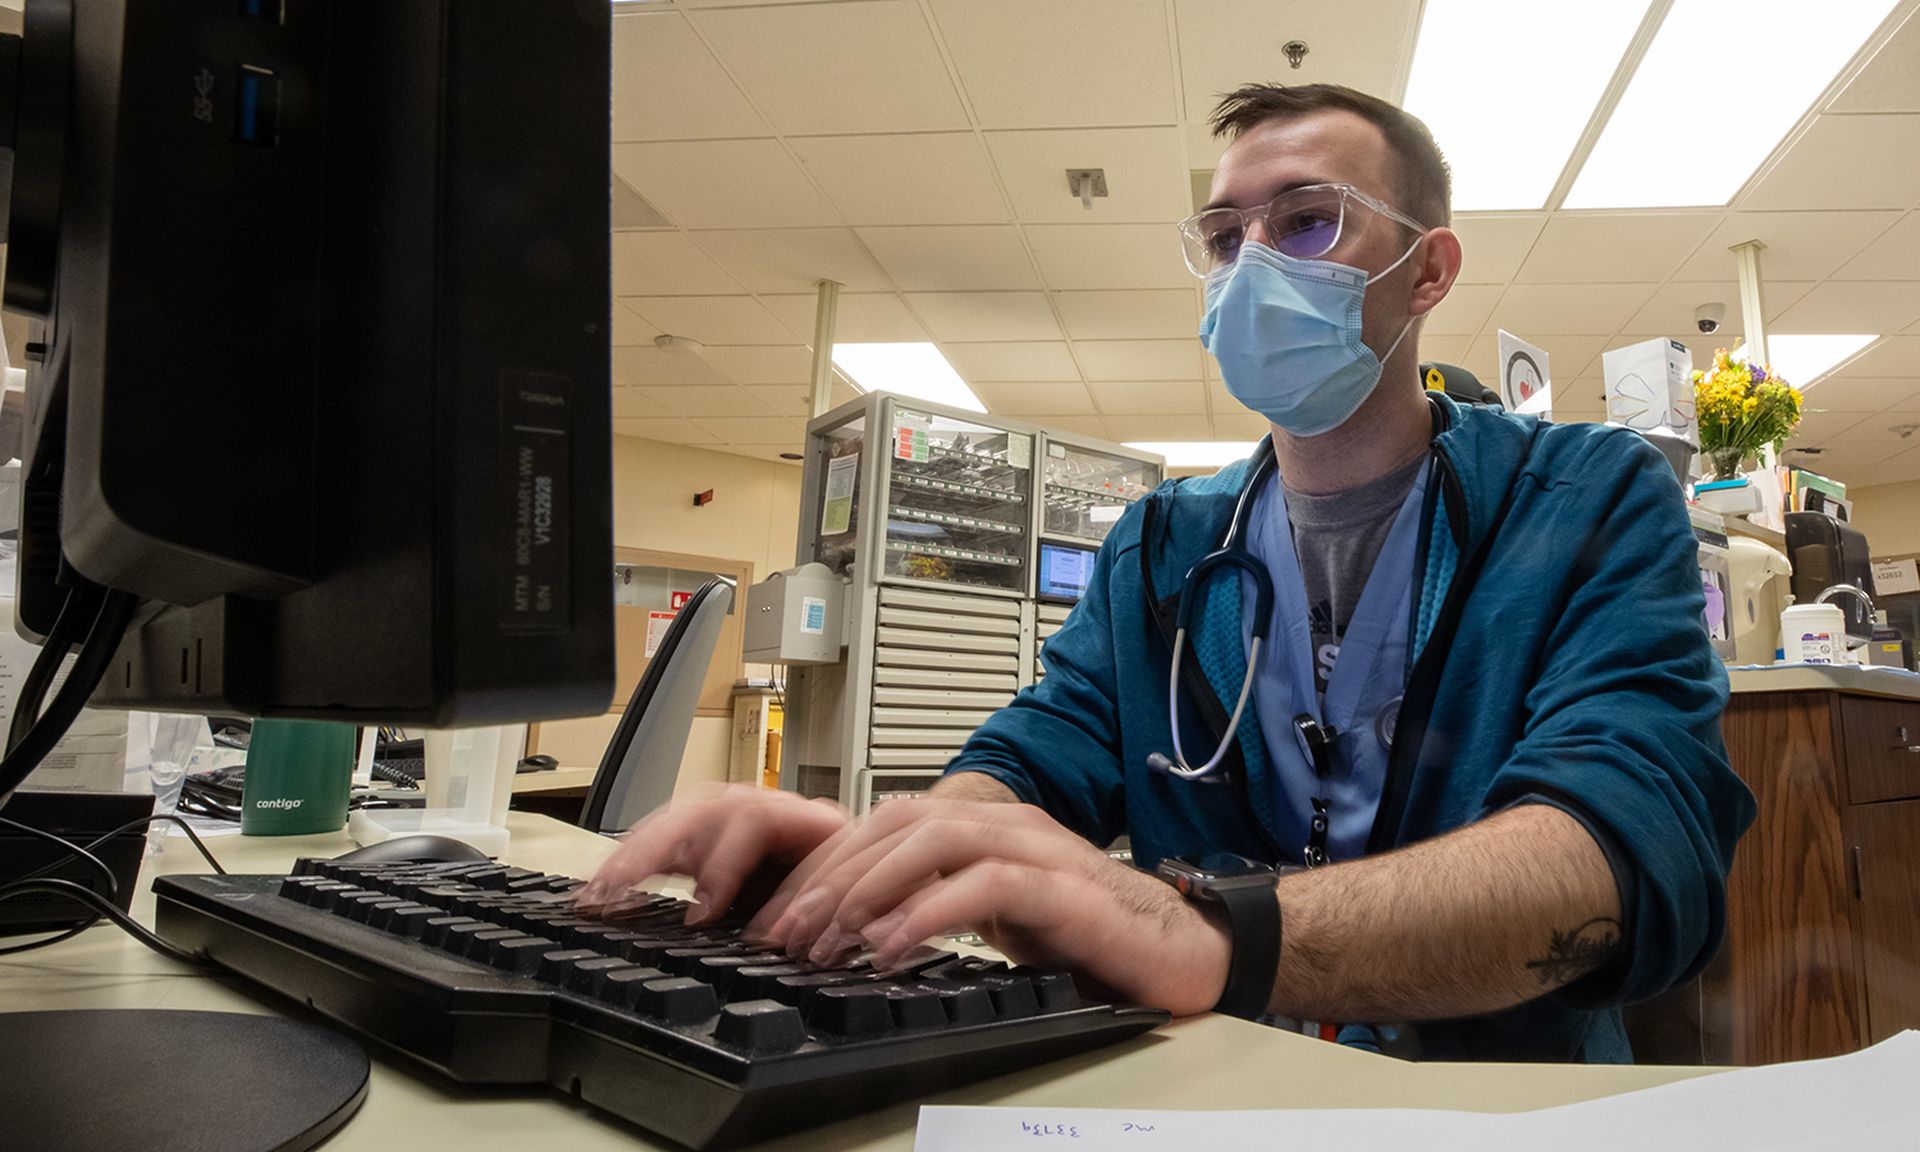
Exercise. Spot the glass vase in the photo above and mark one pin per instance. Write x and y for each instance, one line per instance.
(1724, 463)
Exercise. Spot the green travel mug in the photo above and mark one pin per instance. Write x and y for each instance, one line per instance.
(298, 775)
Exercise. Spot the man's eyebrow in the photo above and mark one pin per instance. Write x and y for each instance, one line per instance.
(1287, 187)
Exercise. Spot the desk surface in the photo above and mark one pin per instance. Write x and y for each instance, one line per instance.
(1888, 682)
(1205, 1062)
(559, 779)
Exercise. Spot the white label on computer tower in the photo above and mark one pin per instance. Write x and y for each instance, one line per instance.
(535, 459)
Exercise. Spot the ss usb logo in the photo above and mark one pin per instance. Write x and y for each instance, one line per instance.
(203, 82)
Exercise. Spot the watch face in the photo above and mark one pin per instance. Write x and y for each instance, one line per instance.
(1220, 865)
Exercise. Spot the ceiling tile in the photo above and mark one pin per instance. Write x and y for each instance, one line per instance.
(794, 259)
(1139, 359)
(1672, 305)
(1894, 255)
(1194, 427)
(930, 178)
(695, 403)
(1494, 245)
(1051, 398)
(1863, 394)
(1167, 313)
(1444, 349)
(1858, 306)
(784, 399)
(1011, 361)
(1818, 426)
(755, 429)
(1465, 309)
(640, 403)
(1845, 162)
(723, 184)
(667, 86)
(1172, 397)
(1891, 80)
(1899, 468)
(666, 264)
(1891, 429)
(1227, 43)
(772, 453)
(648, 367)
(713, 319)
(851, 67)
(1894, 356)
(1575, 309)
(628, 328)
(1146, 171)
(1061, 63)
(878, 317)
(952, 259)
(1109, 256)
(1800, 245)
(986, 316)
(668, 431)
(1579, 400)
(1617, 249)
(789, 364)
(1094, 426)
(1240, 425)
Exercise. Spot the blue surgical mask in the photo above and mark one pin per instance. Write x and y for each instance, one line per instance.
(1287, 335)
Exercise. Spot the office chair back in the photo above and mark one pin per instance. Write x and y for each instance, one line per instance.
(641, 763)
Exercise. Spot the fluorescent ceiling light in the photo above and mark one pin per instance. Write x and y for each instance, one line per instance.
(1507, 86)
(1734, 74)
(918, 371)
(1802, 360)
(1196, 453)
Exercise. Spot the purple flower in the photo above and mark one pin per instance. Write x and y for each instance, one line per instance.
(1759, 373)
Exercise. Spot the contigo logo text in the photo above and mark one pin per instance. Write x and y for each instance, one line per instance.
(279, 802)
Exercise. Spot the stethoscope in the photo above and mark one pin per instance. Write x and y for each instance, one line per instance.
(1232, 553)
(1319, 739)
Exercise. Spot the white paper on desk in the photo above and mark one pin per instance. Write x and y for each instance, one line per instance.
(1865, 1101)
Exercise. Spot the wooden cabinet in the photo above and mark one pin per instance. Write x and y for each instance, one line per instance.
(1822, 953)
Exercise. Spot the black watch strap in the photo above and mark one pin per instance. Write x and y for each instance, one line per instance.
(1253, 914)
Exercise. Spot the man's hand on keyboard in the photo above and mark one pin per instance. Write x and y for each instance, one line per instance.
(1033, 889)
(719, 837)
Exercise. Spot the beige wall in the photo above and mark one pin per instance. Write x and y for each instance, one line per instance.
(1890, 516)
(753, 516)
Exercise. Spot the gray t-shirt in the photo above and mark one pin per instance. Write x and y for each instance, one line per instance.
(1337, 537)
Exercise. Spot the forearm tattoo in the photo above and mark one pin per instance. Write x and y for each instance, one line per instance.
(1573, 954)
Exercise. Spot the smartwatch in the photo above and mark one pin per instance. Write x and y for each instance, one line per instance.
(1245, 889)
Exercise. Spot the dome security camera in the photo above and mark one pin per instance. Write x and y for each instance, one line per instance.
(1709, 317)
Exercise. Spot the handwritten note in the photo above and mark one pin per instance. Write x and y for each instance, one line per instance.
(1859, 1103)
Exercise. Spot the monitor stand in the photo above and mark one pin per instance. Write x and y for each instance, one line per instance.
(87, 1079)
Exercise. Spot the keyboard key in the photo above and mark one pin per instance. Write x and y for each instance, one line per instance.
(686, 961)
(676, 1000)
(434, 931)
(761, 1026)
(964, 1003)
(521, 954)
(799, 991)
(1054, 990)
(406, 919)
(587, 975)
(854, 1012)
(756, 982)
(719, 971)
(916, 1008)
(621, 986)
(480, 944)
(459, 937)
(360, 907)
(557, 964)
(1013, 997)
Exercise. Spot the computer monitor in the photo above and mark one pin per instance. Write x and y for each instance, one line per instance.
(319, 359)
(1065, 572)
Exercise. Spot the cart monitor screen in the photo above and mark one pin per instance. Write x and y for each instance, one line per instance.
(1064, 572)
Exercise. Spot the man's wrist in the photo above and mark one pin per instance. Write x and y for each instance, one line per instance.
(1213, 958)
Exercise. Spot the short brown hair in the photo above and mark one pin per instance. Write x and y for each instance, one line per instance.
(1425, 181)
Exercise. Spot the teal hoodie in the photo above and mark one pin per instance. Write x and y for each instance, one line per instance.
(1559, 655)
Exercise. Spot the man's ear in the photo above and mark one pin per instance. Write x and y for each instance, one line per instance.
(1435, 267)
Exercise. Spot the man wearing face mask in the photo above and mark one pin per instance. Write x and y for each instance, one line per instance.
(1414, 713)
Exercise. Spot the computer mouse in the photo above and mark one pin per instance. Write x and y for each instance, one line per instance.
(537, 764)
(415, 850)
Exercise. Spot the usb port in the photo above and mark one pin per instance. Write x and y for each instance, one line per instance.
(256, 107)
(271, 10)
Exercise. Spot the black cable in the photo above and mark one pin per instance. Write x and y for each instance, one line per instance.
(99, 865)
(86, 851)
(80, 606)
(105, 908)
(130, 825)
(89, 668)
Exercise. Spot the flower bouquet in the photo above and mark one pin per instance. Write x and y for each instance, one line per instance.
(1742, 407)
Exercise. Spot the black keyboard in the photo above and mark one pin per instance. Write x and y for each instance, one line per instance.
(489, 974)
